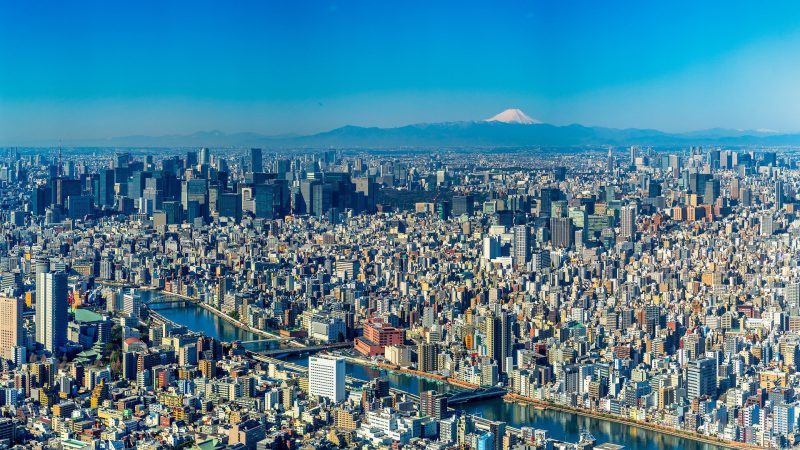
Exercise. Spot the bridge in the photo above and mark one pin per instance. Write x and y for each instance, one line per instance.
(475, 394)
(277, 339)
(169, 300)
(301, 350)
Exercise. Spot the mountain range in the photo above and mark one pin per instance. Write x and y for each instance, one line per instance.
(510, 128)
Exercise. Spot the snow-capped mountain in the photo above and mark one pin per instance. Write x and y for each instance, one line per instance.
(514, 115)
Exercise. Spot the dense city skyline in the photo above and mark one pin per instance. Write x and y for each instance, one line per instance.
(456, 225)
(99, 70)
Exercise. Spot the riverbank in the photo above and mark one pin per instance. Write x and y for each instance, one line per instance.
(515, 398)
(629, 422)
(196, 301)
(416, 373)
(227, 318)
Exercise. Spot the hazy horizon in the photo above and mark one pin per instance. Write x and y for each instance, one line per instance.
(108, 70)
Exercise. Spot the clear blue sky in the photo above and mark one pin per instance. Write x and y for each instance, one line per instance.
(99, 69)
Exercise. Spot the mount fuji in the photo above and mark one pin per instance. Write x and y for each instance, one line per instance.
(513, 115)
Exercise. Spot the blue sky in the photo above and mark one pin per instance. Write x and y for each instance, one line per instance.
(98, 69)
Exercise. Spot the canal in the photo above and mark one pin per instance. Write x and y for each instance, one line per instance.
(560, 425)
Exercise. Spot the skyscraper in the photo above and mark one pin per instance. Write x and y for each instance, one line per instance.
(51, 308)
(11, 335)
(628, 222)
(778, 194)
(522, 248)
(256, 163)
(463, 204)
(426, 357)
(498, 339)
(561, 232)
(205, 156)
(326, 378)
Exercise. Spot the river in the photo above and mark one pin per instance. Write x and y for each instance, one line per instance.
(560, 425)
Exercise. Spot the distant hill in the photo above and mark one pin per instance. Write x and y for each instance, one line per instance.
(511, 128)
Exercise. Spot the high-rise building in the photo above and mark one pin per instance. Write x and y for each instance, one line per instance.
(561, 232)
(11, 332)
(433, 405)
(522, 247)
(701, 378)
(498, 339)
(778, 194)
(51, 308)
(105, 188)
(426, 357)
(463, 204)
(627, 223)
(205, 156)
(131, 304)
(491, 247)
(256, 162)
(326, 378)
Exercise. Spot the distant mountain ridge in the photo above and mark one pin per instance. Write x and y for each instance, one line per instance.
(511, 128)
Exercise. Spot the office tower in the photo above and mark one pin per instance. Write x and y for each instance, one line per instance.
(426, 357)
(463, 204)
(367, 189)
(326, 378)
(78, 206)
(105, 188)
(770, 159)
(546, 198)
(322, 199)
(778, 194)
(633, 155)
(11, 332)
(121, 160)
(152, 198)
(561, 232)
(628, 222)
(40, 200)
(791, 294)
(256, 163)
(433, 405)
(701, 378)
(194, 190)
(51, 307)
(767, 224)
(305, 201)
(745, 196)
(66, 187)
(205, 156)
(229, 204)
(522, 246)
(491, 247)
(498, 339)
(711, 191)
(191, 160)
(132, 304)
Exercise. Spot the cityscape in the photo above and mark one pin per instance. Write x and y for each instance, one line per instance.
(521, 226)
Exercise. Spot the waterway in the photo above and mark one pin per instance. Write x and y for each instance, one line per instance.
(560, 425)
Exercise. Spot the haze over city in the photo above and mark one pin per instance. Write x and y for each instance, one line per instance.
(276, 68)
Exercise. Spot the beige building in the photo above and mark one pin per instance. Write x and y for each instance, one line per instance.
(10, 325)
